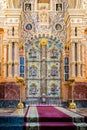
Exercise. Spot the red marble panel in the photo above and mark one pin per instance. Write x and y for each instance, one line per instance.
(12, 91)
(1, 91)
(80, 91)
(9, 91)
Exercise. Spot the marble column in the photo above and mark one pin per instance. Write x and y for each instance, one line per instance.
(73, 59)
(78, 52)
(83, 70)
(79, 70)
(10, 60)
(83, 61)
(16, 56)
(82, 47)
(73, 69)
(79, 59)
(73, 51)
(5, 60)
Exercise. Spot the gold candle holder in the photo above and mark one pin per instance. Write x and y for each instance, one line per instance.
(72, 104)
(21, 83)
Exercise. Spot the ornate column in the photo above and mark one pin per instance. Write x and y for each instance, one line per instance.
(16, 55)
(73, 69)
(83, 61)
(5, 60)
(73, 59)
(79, 69)
(10, 60)
(78, 60)
(78, 52)
(13, 16)
(73, 51)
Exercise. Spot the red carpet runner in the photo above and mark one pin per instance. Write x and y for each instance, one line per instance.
(49, 118)
(51, 114)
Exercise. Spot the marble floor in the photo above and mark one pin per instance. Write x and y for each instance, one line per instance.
(21, 112)
(12, 112)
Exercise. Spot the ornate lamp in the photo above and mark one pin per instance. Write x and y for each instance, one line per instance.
(72, 104)
(21, 82)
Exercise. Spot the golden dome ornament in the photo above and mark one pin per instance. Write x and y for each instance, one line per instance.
(43, 42)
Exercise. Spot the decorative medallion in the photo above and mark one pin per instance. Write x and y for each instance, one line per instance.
(58, 27)
(28, 26)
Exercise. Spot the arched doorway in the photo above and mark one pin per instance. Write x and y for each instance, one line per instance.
(43, 70)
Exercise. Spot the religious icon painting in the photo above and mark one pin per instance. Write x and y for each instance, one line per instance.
(27, 7)
(28, 27)
(59, 7)
(33, 88)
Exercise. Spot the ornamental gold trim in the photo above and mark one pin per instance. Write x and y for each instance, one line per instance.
(43, 42)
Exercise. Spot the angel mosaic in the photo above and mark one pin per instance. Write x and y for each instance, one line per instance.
(32, 53)
(53, 52)
(33, 88)
(54, 70)
(33, 70)
(53, 88)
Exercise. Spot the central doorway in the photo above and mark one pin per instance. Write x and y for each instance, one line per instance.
(43, 71)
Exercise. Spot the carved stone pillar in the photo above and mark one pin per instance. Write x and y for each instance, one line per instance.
(10, 60)
(10, 70)
(16, 59)
(73, 69)
(79, 59)
(79, 70)
(73, 59)
(83, 54)
(73, 52)
(83, 61)
(83, 70)
(5, 60)
(78, 53)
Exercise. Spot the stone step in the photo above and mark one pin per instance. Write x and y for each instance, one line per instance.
(11, 120)
(11, 126)
(55, 125)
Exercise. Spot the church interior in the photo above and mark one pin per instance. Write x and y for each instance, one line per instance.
(43, 62)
